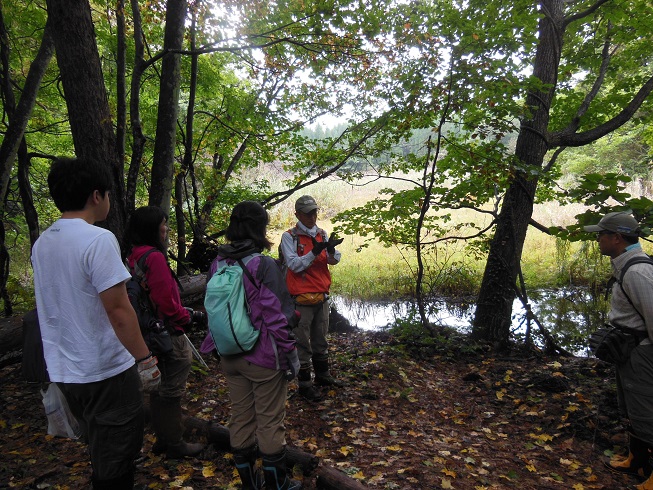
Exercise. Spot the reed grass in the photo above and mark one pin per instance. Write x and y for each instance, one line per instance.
(378, 272)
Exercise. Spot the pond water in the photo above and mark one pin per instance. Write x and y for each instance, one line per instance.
(569, 314)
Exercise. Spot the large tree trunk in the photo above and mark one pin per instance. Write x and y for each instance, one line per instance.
(86, 97)
(166, 128)
(19, 118)
(138, 138)
(494, 307)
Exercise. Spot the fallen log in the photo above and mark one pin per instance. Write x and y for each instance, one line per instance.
(11, 334)
(219, 435)
(332, 479)
(192, 289)
(327, 478)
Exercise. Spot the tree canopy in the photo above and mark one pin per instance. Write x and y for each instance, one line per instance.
(474, 102)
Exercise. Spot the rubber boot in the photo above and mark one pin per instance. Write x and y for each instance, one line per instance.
(250, 476)
(306, 388)
(323, 375)
(172, 430)
(637, 462)
(276, 473)
(123, 482)
(160, 445)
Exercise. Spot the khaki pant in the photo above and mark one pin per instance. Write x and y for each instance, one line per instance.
(258, 405)
(311, 333)
(175, 367)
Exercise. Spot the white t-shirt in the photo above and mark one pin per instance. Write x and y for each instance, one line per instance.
(73, 262)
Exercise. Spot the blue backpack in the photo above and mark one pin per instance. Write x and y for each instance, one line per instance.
(227, 309)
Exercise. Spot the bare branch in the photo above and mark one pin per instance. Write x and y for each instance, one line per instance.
(539, 226)
(554, 158)
(596, 86)
(281, 196)
(584, 13)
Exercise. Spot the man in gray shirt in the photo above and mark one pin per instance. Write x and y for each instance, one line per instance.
(631, 306)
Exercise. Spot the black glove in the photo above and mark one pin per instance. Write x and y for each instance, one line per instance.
(197, 317)
(333, 241)
(318, 247)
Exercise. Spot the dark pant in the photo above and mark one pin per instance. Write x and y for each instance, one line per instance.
(110, 413)
(635, 391)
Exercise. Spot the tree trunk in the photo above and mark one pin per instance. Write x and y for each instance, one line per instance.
(26, 197)
(86, 97)
(494, 306)
(138, 138)
(166, 128)
(121, 84)
(19, 118)
(187, 161)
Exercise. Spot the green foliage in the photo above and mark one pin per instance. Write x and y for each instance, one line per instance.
(434, 94)
(626, 152)
(21, 294)
(601, 192)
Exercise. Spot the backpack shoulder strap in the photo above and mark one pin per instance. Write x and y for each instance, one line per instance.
(633, 261)
(243, 262)
(140, 267)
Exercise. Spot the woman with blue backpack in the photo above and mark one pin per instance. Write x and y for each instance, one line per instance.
(148, 234)
(257, 377)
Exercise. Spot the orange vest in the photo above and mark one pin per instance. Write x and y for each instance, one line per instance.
(315, 279)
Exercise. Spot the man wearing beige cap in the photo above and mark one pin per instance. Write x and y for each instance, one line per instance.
(631, 306)
(307, 254)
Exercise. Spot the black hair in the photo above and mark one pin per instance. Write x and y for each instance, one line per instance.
(143, 227)
(631, 240)
(73, 180)
(249, 220)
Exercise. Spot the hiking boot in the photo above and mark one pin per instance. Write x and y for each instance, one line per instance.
(170, 430)
(637, 461)
(310, 393)
(323, 375)
(183, 449)
(277, 476)
(327, 380)
(250, 476)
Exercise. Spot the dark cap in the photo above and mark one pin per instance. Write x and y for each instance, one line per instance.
(305, 204)
(621, 222)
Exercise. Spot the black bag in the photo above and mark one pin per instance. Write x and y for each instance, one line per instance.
(34, 368)
(153, 329)
(614, 344)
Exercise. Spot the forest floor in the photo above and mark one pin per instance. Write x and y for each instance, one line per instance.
(409, 418)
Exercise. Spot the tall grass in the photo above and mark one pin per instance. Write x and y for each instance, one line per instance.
(379, 272)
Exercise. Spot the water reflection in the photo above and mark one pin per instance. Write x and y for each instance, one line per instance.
(379, 315)
(569, 314)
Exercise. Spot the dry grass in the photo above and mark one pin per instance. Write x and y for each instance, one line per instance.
(380, 272)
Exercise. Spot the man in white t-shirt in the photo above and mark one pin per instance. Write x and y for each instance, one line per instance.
(92, 343)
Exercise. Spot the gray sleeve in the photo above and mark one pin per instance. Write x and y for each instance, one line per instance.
(289, 249)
